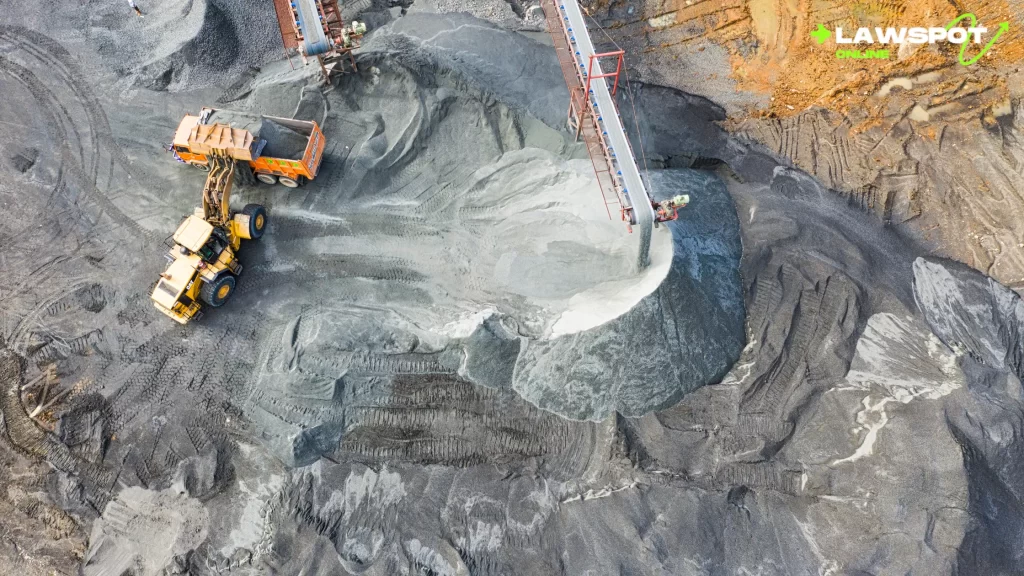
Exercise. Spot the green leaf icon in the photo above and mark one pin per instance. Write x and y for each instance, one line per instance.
(821, 34)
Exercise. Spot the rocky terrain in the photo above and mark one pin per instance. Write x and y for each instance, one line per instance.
(441, 359)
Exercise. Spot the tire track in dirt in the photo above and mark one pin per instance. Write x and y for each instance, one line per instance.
(56, 57)
(49, 103)
(32, 440)
(440, 419)
(60, 66)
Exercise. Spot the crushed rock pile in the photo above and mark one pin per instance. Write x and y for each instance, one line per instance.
(387, 392)
(177, 45)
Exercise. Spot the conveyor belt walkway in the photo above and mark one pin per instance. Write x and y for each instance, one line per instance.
(310, 26)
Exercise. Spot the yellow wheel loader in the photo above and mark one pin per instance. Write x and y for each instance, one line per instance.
(204, 267)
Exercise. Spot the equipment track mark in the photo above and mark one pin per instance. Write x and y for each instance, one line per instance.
(44, 95)
(55, 58)
(53, 53)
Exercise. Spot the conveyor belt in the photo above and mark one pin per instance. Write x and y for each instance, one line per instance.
(307, 16)
(633, 189)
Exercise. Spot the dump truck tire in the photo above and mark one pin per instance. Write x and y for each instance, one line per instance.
(257, 220)
(267, 178)
(286, 181)
(217, 292)
(203, 167)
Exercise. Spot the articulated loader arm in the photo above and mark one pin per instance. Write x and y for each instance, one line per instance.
(217, 191)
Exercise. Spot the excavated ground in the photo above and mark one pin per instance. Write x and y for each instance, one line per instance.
(387, 394)
(920, 140)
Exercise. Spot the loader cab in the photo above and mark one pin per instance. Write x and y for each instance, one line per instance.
(194, 233)
(208, 242)
(214, 246)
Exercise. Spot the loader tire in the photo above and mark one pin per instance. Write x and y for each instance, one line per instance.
(258, 220)
(217, 292)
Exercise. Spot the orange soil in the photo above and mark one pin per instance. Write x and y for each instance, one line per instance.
(773, 53)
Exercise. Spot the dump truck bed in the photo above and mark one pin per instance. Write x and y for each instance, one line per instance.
(286, 139)
(293, 148)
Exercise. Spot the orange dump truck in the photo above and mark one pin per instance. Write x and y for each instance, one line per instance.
(280, 150)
